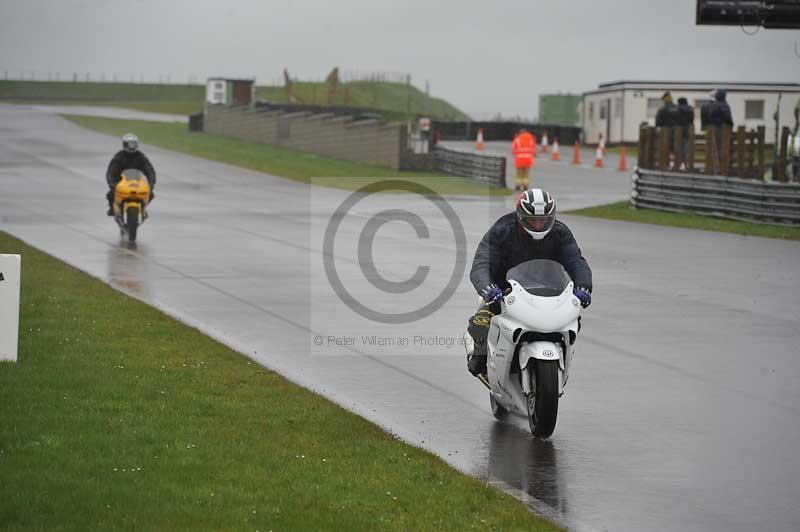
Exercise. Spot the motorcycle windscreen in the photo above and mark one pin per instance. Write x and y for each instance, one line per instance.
(132, 174)
(540, 277)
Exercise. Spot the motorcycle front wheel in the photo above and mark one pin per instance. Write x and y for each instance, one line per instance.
(543, 405)
(132, 223)
(498, 410)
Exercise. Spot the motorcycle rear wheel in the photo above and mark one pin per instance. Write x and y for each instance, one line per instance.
(132, 223)
(543, 406)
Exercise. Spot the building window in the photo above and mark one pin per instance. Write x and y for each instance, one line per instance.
(653, 105)
(603, 110)
(218, 85)
(617, 106)
(754, 110)
(591, 111)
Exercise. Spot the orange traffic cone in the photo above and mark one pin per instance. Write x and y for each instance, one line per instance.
(598, 157)
(555, 156)
(479, 140)
(576, 154)
(623, 163)
(544, 143)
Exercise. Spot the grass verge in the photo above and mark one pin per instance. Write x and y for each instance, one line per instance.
(623, 211)
(273, 160)
(630, 151)
(117, 416)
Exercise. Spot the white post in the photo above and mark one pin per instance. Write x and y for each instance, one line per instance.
(9, 306)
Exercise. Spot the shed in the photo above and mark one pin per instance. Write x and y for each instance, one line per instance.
(230, 91)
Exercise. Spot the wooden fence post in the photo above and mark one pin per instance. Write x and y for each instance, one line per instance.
(690, 154)
(711, 149)
(740, 139)
(760, 152)
(663, 148)
(725, 157)
(751, 152)
(677, 148)
(652, 149)
(642, 158)
(781, 162)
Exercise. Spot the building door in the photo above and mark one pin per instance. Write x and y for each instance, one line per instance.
(608, 120)
(241, 92)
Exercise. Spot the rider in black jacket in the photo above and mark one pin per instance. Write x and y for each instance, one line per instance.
(128, 158)
(532, 232)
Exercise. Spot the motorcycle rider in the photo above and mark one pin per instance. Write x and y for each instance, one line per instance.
(129, 157)
(532, 232)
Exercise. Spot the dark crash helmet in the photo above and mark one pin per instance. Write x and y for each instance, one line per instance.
(536, 212)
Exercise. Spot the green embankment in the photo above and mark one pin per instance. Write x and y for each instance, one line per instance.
(273, 160)
(394, 100)
(623, 211)
(119, 417)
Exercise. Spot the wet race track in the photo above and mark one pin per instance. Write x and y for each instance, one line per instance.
(683, 407)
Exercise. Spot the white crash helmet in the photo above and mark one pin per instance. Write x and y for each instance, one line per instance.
(130, 142)
(536, 212)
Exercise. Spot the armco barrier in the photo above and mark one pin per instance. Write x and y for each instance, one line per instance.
(338, 137)
(483, 168)
(726, 197)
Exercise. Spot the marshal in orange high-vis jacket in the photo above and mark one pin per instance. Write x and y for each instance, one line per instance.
(524, 150)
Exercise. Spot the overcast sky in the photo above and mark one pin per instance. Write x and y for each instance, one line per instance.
(484, 56)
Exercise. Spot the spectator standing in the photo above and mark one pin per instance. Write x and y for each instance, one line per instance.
(668, 117)
(714, 115)
(685, 121)
(721, 111)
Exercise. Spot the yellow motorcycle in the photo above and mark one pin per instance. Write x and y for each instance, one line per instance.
(131, 196)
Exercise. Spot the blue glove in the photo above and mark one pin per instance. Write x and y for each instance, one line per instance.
(491, 293)
(584, 295)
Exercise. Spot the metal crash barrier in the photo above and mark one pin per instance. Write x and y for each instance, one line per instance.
(725, 197)
(483, 168)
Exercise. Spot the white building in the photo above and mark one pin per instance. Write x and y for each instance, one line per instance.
(617, 109)
(230, 91)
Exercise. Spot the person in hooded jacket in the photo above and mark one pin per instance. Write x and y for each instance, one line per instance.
(531, 232)
(720, 111)
(715, 114)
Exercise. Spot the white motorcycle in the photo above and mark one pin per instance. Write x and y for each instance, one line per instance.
(530, 344)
